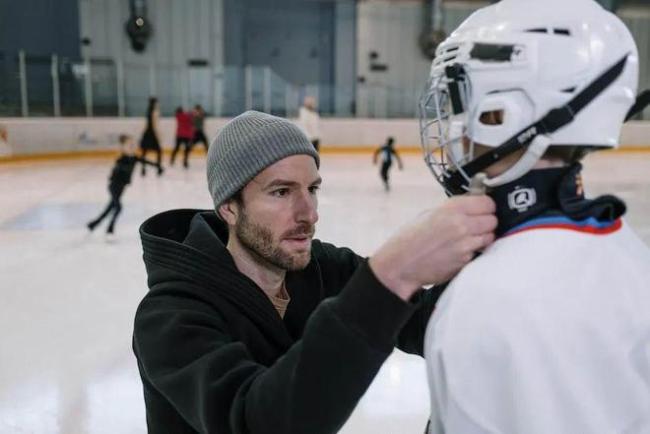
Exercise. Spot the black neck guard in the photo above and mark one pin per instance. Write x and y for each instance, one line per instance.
(556, 191)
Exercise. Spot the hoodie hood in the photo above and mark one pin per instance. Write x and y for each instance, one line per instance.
(185, 255)
(189, 244)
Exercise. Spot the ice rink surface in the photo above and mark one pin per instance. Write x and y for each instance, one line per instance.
(68, 297)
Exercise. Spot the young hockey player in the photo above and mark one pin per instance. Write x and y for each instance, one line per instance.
(548, 330)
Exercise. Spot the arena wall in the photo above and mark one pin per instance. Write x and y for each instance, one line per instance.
(33, 137)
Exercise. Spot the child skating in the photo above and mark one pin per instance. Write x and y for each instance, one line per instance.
(387, 153)
(119, 179)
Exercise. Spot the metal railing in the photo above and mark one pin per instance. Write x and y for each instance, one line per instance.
(32, 86)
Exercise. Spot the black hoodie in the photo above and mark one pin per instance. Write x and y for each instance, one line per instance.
(215, 356)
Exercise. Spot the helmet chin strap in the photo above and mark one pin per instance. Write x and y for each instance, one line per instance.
(535, 150)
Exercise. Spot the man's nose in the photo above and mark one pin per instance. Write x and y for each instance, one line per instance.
(306, 208)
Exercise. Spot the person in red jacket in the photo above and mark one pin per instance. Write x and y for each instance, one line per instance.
(184, 135)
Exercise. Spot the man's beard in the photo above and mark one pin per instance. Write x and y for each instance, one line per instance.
(259, 240)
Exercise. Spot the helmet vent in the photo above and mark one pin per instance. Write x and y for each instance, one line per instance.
(450, 53)
(537, 30)
(555, 31)
(492, 52)
(563, 32)
(448, 58)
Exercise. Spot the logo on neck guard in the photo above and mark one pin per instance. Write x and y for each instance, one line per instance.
(521, 199)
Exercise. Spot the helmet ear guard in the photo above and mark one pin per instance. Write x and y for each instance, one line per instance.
(456, 180)
(515, 109)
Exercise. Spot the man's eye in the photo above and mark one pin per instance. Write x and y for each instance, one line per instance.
(314, 189)
(280, 192)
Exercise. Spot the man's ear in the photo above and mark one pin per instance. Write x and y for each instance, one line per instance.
(228, 211)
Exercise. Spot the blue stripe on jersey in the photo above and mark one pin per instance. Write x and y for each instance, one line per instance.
(562, 220)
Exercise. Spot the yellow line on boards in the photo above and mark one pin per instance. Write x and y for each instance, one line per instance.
(71, 155)
(325, 150)
(629, 150)
(348, 150)
(78, 155)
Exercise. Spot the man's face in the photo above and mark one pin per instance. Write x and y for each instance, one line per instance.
(278, 212)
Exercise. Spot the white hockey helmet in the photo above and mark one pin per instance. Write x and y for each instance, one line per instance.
(558, 72)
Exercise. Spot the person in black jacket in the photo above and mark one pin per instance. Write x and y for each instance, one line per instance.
(150, 140)
(198, 120)
(119, 179)
(387, 153)
(250, 325)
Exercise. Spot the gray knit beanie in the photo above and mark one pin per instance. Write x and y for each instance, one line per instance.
(248, 144)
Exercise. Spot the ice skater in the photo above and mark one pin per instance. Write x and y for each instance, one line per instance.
(184, 135)
(119, 179)
(150, 138)
(387, 153)
(198, 119)
(309, 121)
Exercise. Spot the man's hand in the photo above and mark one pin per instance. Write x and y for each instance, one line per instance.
(434, 247)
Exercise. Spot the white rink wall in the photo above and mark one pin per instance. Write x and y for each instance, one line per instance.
(35, 136)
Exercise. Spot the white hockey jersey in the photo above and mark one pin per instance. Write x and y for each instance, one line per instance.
(547, 332)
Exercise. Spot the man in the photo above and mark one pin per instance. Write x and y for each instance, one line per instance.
(250, 325)
(309, 121)
(548, 330)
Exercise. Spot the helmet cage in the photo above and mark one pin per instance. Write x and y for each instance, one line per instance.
(443, 123)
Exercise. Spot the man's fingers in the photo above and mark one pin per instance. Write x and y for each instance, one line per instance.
(483, 224)
(475, 205)
(479, 242)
